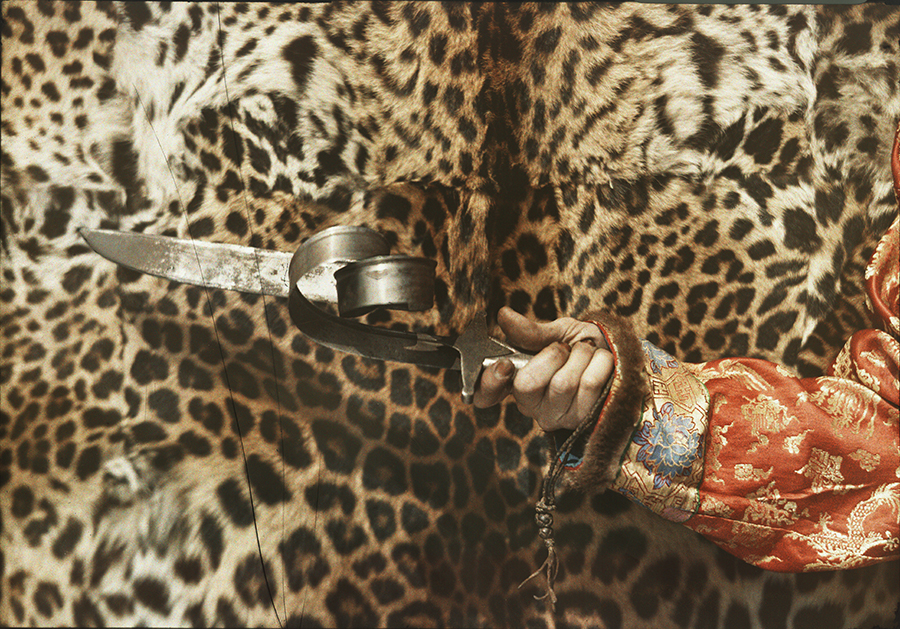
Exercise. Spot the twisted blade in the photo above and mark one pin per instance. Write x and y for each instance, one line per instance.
(211, 265)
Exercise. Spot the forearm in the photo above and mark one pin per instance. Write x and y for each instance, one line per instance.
(790, 474)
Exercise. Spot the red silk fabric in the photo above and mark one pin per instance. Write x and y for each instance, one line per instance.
(786, 473)
(804, 474)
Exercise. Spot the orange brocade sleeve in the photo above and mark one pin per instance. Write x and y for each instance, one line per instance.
(786, 473)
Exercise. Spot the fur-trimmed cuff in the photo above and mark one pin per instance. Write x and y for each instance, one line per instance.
(619, 413)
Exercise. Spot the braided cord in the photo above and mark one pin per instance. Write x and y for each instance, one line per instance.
(543, 516)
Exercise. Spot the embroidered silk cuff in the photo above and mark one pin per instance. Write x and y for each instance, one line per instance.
(617, 415)
(662, 467)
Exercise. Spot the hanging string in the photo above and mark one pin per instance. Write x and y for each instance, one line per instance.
(230, 114)
(543, 510)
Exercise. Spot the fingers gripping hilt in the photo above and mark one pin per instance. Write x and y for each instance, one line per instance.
(478, 350)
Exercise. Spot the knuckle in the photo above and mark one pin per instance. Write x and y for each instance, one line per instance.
(555, 351)
(568, 421)
(593, 381)
(562, 386)
(528, 383)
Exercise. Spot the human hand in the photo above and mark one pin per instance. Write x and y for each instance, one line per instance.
(562, 383)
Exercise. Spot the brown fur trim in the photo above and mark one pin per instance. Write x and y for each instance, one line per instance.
(620, 412)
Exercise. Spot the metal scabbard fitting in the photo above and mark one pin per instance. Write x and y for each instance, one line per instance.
(352, 264)
(401, 284)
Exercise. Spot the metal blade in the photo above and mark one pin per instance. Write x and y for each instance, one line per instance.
(212, 265)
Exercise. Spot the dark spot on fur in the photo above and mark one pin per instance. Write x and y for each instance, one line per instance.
(546, 42)
(800, 231)
(706, 54)
(431, 483)
(181, 39)
(393, 206)
(266, 483)
(88, 462)
(857, 38)
(381, 518)
(85, 613)
(59, 42)
(97, 417)
(148, 432)
(225, 614)
(300, 54)
(658, 580)
(345, 536)
(437, 48)
(138, 13)
(148, 367)
(324, 496)
(37, 173)
(620, 552)
(236, 224)
(165, 404)
(349, 607)
(212, 537)
(339, 448)
(762, 142)
(189, 569)
(761, 249)
(826, 616)
(384, 470)
(231, 497)
(47, 598)
(22, 502)
(250, 581)
(152, 593)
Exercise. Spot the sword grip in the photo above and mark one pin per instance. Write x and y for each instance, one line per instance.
(519, 360)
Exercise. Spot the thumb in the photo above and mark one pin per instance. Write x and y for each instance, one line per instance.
(526, 333)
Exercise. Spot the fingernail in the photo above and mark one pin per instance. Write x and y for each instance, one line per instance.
(504, 369)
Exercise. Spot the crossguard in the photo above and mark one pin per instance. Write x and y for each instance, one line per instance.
(477, 350)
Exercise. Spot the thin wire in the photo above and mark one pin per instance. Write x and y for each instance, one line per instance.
(271, 347)
(274, 367)
(209, 305)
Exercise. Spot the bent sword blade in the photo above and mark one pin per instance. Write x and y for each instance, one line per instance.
(205, 264)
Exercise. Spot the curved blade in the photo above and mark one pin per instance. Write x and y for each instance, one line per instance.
(212, 265)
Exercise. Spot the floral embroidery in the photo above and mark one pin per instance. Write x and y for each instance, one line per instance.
(663, 465)
(843, 363)
(747, 535)
(765, 414)
(657, 358)
(746, 471)
(731, 369)
(717, 441)
(714, 506)
(791, 445)
(850, 405)
(824, 469)
(667, 446)
(766, 506)
(867, 461)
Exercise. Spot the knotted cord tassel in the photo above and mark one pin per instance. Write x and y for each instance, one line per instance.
(544, 520)
(542, 510)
